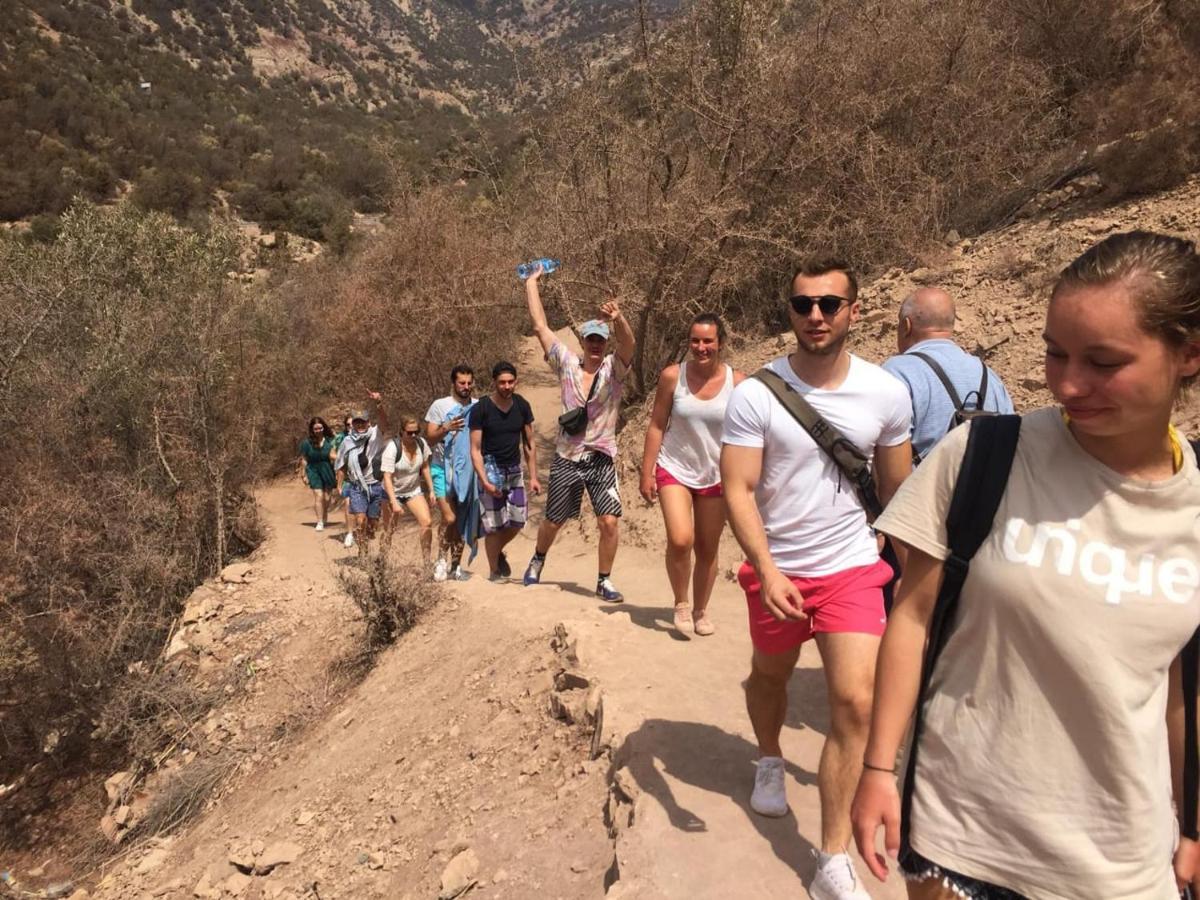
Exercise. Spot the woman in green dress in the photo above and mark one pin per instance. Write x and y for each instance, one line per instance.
(316, 466)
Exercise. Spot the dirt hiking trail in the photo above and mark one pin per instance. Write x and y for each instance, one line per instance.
(445, 762)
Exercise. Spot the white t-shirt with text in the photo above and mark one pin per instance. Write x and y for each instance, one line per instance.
(814, 521)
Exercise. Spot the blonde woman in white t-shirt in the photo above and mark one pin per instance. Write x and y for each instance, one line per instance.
(681, 467)
(1052, 741)
(405, 465)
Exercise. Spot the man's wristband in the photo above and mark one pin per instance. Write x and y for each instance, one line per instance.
(867, 765)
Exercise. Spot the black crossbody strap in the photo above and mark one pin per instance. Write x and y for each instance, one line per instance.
(1190, 667)
(983, 383)
(942, 377)
(844, 453)
(982, 479)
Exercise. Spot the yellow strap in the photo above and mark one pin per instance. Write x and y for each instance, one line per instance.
(1176, 443)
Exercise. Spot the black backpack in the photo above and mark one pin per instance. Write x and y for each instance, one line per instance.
(961, 412)
(982, 479)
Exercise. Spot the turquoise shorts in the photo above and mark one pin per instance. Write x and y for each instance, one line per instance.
(439, 480)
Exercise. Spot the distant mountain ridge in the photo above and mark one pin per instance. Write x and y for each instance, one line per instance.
(282, 105)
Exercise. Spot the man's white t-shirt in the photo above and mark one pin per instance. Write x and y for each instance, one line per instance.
(437, 413)
(814, 522)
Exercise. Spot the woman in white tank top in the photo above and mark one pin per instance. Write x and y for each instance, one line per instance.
(681, 467)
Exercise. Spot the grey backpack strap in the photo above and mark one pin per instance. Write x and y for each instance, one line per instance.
(943, 378)
(848, 458)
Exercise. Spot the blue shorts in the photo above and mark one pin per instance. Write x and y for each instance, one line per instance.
(369, 501)
(439, 480)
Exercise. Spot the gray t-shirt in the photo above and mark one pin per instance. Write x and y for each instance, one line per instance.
(932, 407)
(438, 412)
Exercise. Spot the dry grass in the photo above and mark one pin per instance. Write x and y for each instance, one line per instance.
(391, 597)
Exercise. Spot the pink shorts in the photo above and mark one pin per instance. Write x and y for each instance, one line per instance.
(849, 602)
(662, 478)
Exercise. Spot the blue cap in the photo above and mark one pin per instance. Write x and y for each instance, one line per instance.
(594, 326)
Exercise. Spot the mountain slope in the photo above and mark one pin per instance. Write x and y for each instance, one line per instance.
(297, 110)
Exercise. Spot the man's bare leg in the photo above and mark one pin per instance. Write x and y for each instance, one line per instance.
(766, 697)
(496, 542)
(849, 663)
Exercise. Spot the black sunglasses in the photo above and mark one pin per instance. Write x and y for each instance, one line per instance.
(412, 433)
(829, 304)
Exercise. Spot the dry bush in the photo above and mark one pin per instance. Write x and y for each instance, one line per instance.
(391, 596)
(753, 135)
(438, 288)
(131, 367)
(183, 796)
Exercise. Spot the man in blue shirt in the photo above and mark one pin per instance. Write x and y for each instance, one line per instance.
(926, 327)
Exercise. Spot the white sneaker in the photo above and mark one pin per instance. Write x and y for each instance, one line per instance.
(320, 526)
(769, 797)
(460, 574)
(440, 570)
(836, 879)
(348, 542)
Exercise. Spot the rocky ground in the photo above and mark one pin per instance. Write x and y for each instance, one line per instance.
(519, 742)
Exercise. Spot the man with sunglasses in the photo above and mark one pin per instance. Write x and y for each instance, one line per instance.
(585, 460)
(813, 568)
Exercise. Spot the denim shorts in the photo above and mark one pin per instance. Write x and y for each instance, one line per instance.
(915, 867)
(369, 501)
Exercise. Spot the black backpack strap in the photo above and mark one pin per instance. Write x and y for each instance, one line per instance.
(982, 479)
(1189, 665)
(848, 458)
(981, 394)
(942, 377)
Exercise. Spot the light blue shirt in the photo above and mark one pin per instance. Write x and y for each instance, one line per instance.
(933, 409)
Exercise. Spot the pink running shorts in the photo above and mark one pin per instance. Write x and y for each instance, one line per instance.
(848, 602)
(662, 478)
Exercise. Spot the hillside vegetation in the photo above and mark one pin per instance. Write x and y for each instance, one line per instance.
(292, 113)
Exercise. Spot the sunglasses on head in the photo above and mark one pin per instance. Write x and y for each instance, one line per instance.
(828, 303)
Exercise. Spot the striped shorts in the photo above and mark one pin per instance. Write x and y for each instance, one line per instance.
(569, 478)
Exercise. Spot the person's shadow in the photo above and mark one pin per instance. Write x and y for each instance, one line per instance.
(720, 763)
(652, 618)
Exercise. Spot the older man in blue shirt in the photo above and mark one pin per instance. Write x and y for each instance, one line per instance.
(925, 339)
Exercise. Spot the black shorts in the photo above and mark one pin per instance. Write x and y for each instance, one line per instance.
(915, 867)
(569, 478)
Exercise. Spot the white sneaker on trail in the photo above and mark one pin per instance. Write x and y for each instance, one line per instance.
(440, 570)
(836, 879)
(769, 797)
(348, 542)
(320, 526)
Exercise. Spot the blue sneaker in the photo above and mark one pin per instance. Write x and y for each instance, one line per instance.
(608, 592)
(533, 574)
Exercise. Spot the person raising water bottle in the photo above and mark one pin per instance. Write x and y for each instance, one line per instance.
(681, 467)
(590, 386)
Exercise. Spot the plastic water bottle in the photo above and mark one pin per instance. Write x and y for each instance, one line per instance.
(524, 270)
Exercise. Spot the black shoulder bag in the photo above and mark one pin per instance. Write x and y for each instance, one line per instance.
(841, 450)
(574, 421)
(982, 479)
